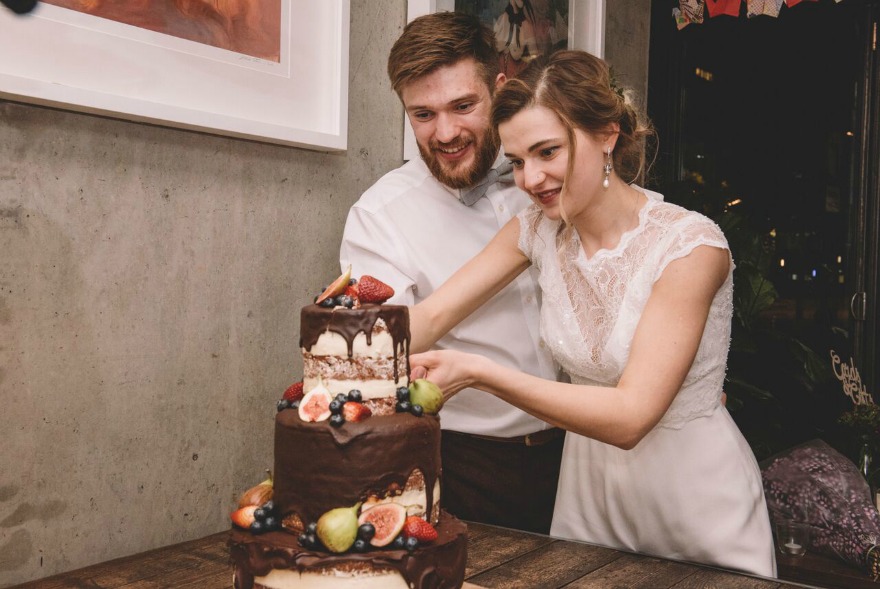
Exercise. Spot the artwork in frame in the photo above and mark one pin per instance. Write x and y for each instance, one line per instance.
(524, 29)
(266, 70)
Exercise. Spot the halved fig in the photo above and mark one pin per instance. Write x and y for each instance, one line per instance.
(336, 288)
(387, 518)
(315, 405)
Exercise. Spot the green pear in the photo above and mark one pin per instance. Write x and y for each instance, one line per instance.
(337, 529)
(427, 394)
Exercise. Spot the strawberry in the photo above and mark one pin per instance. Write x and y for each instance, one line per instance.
(352, 291)
(244, 516)
(416, 527)
(294, 392)
(353, 411)
(371, 290)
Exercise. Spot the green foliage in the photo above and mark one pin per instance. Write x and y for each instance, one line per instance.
(778, 387)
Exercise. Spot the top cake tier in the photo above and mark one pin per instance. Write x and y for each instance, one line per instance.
(364, 349)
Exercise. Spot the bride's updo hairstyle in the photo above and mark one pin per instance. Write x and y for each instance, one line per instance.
(578, 87)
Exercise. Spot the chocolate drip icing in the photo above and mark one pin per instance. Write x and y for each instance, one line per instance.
(319, 467)
(315, 320)
(439, 565)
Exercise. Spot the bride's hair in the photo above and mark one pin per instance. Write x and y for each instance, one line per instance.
(579, 88)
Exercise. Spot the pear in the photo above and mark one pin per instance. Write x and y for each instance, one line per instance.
(337, 529)
(258, 494)
(427, 394)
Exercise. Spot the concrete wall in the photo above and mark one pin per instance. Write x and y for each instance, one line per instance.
(150, 283)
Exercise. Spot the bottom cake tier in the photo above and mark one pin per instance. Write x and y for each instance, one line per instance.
(275, 560)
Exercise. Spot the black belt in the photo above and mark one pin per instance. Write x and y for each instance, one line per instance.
(534, 439)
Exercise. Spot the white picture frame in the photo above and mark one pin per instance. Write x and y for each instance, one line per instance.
(68, 59)
(586, 31)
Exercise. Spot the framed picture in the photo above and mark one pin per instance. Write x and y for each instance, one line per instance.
(523, 29)
(266, 70)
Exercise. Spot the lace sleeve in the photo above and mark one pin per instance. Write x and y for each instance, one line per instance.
(531, 221)
(686, 234)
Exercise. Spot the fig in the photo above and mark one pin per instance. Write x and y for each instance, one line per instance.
(337, 529)
(387, 520)
(336, 288)
(427, 394)
(315, 405)
(258, 494)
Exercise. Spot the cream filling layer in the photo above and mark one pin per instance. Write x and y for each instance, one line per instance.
(370, 389)
(331, 343)
(331, 579)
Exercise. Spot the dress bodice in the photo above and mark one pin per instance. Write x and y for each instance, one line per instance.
(592, 306)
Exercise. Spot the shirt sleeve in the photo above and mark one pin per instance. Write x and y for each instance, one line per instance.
(371, 244)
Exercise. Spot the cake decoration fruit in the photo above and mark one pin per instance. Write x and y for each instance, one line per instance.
(421, 530)
(387, 519)
(243, 517)
(337, 529)
(315, 405)
(425, 393)
(336, 288)
(258, 494)
(372, 290)
(294, 392)
(353, 411)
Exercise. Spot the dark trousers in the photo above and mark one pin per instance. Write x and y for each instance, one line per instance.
(503, 483)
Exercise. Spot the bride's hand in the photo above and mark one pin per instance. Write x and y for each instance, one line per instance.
(450, 370)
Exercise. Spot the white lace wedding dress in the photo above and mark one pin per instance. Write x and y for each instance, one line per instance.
(691, 489)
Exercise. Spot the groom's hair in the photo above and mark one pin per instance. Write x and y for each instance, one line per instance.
(438, 40)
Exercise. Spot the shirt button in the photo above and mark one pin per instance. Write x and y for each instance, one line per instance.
(541, 343)
(529, 299)
(501, 208)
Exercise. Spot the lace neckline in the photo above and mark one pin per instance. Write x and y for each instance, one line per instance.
(625, 238)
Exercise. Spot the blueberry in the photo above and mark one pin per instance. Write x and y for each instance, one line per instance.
(312, 528)
(399, 542)
(259, 514)
(403, 406)
(360, 545)
(294, 404)
(366, 531)
(355, 395)
(411, 544)
(352, 281)
(258, 526)
(402, 394)
(312, 540)
(328, 302)
(335, 407)
(346, 301)
(282, 404)
(342, 397)
(337, 420)
(268, 506)
(304, 540)
(417, 410)
(271, 522)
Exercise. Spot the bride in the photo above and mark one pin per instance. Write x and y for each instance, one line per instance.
(637, 305)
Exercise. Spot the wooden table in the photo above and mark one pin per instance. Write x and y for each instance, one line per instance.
(497, 558)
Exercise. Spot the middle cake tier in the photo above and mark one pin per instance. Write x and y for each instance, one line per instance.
(386, 458)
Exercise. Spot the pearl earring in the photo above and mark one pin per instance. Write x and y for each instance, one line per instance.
(607, 168)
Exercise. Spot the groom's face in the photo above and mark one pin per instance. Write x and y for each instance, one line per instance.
(449, 110)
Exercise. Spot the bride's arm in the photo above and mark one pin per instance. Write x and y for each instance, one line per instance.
(472, 285)
(663, 349)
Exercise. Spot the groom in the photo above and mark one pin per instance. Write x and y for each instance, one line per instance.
(419, 223)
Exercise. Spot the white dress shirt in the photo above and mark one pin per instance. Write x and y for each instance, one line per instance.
(411, 232)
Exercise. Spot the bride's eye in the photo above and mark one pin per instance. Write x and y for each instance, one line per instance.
(549, 151)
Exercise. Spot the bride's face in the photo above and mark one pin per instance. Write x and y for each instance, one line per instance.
(536, 142)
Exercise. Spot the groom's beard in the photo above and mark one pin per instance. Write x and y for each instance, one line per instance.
(462, 174)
